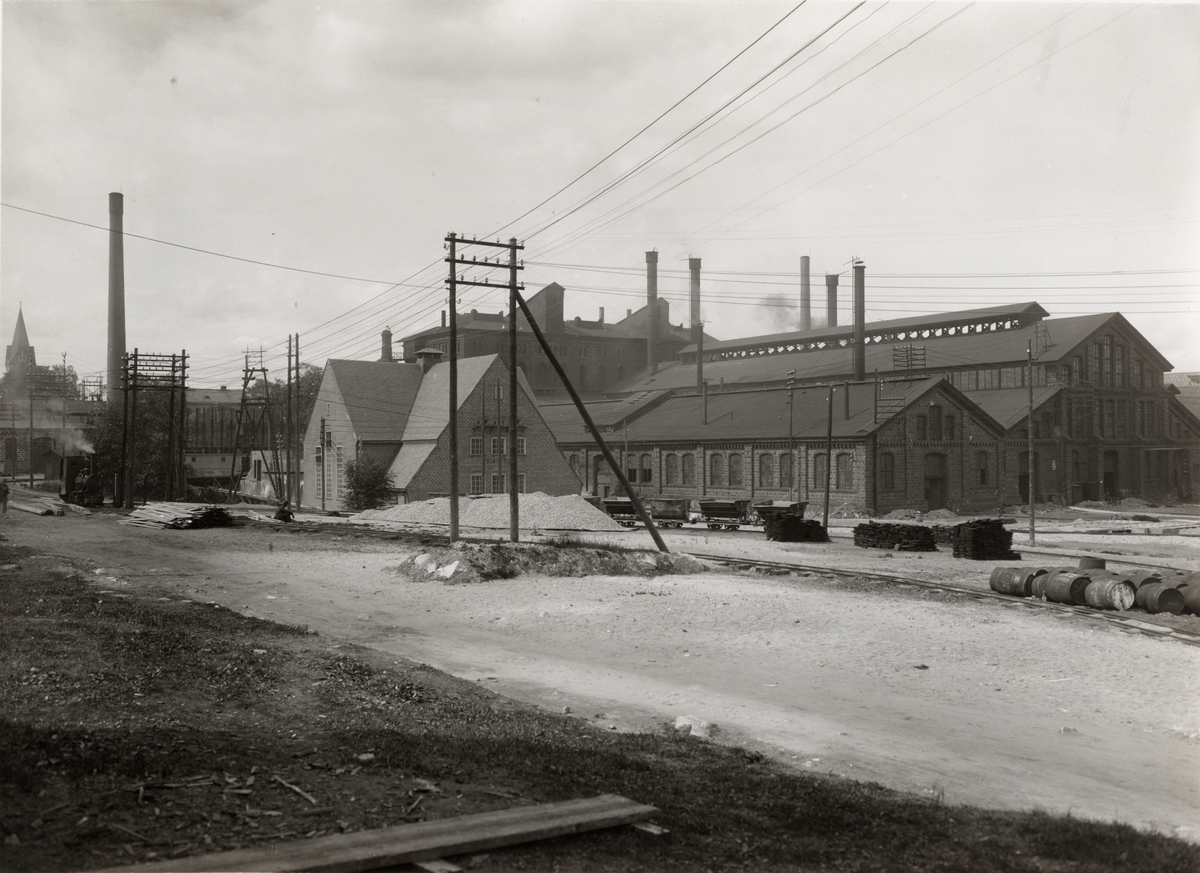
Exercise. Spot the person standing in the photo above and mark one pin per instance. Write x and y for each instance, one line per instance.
(4, 497)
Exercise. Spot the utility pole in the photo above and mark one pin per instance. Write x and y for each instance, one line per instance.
(791, 437)
(514, 502)
(512, 287)
(828, 458)
(298, 436)
(287, 428)
(324, 465)
(1032, 463)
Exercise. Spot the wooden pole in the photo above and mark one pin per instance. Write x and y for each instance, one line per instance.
(287, 428)
(514, 500)
(591, 426)
(452, 285)
(1032, 464)
(828, 459)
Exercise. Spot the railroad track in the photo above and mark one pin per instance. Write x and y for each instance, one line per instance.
(1120, 620)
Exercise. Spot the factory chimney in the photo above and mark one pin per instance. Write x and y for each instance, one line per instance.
(694, 267)
(652, 305)
(386, 351)
(860, 321)
(831, 282)
(805, 296)
(116, 293)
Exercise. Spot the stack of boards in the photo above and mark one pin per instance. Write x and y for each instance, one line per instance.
(179, 516)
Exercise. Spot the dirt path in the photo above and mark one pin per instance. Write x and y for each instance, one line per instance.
(984, 704)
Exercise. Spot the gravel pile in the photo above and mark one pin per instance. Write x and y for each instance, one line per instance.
(537, 510)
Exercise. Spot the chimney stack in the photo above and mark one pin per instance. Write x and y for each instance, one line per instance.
(602, 315)
(831, 283)
(386, 351)
(443, 318)
(860, 321)
(805, 295)
(116, 293)
(652, 305)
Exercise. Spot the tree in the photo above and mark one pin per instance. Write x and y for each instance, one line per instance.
(150, 459)
(368, 484)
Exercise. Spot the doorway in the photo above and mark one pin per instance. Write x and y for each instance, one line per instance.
(935, 482)
(1023, 475)
(1111, 479)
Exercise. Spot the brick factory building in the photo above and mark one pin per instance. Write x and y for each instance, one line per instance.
(942, 421)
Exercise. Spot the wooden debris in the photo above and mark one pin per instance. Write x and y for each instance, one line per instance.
(437, 865)
(985, 539)
(900, 537)
(298, 790)
(421, 841)
(650, 828)
(179, 516)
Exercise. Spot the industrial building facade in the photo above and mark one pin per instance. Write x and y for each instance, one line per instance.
(943, 421)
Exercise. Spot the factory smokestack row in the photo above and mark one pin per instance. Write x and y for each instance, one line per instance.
(116, 292)
(831, 283)
(860, 321)
(652, 303)
(805, 295)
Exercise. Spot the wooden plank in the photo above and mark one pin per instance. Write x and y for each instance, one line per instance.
(422, 841)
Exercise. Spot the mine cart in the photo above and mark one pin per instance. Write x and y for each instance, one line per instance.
(668, 511)
(726, 514)
(621, 510)
(784, 520)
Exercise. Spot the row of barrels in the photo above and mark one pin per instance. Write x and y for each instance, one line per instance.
(1088, 585)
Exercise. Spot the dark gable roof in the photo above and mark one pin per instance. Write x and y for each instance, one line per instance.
(760, 414)
(1010, 406)
(997, 348)
(378, 396)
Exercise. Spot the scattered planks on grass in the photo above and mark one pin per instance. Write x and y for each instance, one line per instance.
(179, 515)
(422, 841)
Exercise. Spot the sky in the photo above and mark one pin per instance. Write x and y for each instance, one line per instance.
(293, 167)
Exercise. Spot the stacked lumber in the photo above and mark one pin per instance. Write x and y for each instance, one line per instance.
(985, 539)
(900, 537)
(790, 529)
(943, 533)
(179, 516)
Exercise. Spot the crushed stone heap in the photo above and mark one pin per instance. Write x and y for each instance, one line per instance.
(537, 510)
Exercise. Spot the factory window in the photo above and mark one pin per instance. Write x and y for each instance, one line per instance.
(1119, 366)
(499, 445)
(1076, 467)
(845, 472)
(497, 483)
(521, 444)
(1106, 350)
(476, 446)
(631, 468)
(820, 471)
(785, 470)
(1109, 419)
(949, 426)
(981, 464)
(1076, 370)
(647, 468)
(582, 377)
(1137, 375)
(476, 483)
(766, 471)
(887, 471)
(1094, 364)
(520, 483)
(689, 469)
(735, 470)
(1121, 415)
(922, 427)
(573, 460)
(935, 422)
(339, 477)
(671, 471)
(716, 474)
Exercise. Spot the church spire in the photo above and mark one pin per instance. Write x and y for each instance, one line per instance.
(20, 350)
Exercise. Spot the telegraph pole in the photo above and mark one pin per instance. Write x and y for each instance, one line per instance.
(791, 436)
(512, 287)
(287, 428)
(324, 465)
(1032, 464)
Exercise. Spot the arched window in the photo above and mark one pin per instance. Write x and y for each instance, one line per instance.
(735, 470)
(689, 469)
(820, 469)
(647, 468)
(766, 471)
(981, 464)
(785, 470)
(922, 427)
(845, 472)
(935, 423)
(573, 460)
(949, 425)
(671, 469)
(887, 471)
(716, 471)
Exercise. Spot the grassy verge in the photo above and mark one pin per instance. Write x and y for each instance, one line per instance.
(144, 726)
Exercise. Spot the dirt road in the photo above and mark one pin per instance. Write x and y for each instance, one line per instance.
(977, 702)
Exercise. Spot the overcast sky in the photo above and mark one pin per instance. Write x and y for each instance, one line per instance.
(970, 155)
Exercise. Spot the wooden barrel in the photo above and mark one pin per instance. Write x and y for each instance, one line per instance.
(1111, 592)
(1038, 589)
(1016, 581)
(1158, 597)
(1190, 591)
(1091, 564)
(1066, 585)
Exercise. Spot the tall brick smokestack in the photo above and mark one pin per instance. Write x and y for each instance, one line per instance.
(652, 303)
(694, 267)
(116, 292)
(860, 321)
(831, 282)
(805, 295)
(385, 351)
